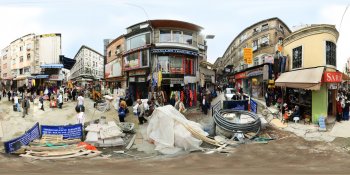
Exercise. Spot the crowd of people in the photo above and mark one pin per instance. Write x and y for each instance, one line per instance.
(342, 105)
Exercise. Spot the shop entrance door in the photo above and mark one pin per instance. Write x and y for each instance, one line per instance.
(332, 94)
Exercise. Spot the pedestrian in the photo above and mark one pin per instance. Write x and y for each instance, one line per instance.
(60, 100)
(205, 105)
(141, 112)
(339, 110)
(74, 93)
(80, 115)
(122, 112)
(16, 102)
(179, 105)
(80, 99)
(25, 105)
(172, 100)
(41, 100)
(9, 95)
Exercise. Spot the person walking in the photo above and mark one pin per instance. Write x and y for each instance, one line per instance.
(60, 100)
(41, 100)
(9, 95)
(339, 110)
(80, 100)
(141, 112)
(205, 105)
(25, 105)
(16, 102)
(80, 115)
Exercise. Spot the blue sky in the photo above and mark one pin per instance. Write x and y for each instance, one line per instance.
(88, 22)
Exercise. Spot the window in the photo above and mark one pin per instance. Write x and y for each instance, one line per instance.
(20, 48)
(297, 57)
(256, 61)
(280, 41)
(256, 30)
(331, 57)
(255, 45)
(144, 58)
(187, 38)
(20, 71)
(165, 36)
(21, 59)
(29, 47)
(177, 36)
(265, 27)
(28, 56)
(4, 66)
(26, 69)
(264, 41)
(138, 41)
(109, 54)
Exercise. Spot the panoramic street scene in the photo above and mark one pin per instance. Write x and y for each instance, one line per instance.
(174, 87)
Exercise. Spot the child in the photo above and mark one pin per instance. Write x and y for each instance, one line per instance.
(80, 114)
(122, 111)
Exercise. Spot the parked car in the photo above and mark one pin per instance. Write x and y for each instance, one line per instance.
(229, 92)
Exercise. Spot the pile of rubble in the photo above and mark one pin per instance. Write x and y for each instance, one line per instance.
(104, 134)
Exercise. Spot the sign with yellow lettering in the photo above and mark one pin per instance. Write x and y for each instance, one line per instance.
(248, 55)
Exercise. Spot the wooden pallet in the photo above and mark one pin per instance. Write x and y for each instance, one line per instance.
(51, 138)
(63, 156)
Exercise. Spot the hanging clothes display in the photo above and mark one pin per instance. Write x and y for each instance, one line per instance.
(191, 98)
(182, 96)
(194, 98)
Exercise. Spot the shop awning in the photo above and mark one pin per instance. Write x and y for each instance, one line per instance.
(303, 79)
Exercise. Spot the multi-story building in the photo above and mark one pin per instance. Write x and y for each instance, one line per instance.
(265, 38)
(88, 67)
(30, 56)
(165, 53)
(6, 75)
(114, 74)
(311, 80)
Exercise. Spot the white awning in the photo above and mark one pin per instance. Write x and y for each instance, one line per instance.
(303, 79)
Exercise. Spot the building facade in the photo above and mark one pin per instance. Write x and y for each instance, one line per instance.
(25, 58)
(163, 55)
(311, 80)
(89, 66)
(265, 39)
(114, 74)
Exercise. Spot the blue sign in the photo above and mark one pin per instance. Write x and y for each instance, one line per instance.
(68, 131)
(181, 51)
(15, 144)
(253, 106)
(236, 104)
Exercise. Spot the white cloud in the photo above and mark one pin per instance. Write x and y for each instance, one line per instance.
(18, 21)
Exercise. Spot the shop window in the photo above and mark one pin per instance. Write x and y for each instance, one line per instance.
(176, 65)
(165, 36)
(297, 57)
(164, 64)
(331, 57)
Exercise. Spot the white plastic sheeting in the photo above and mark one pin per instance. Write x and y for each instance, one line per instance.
(166, 129)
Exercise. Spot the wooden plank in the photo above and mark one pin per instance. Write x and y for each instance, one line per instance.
(53, 153)
(46, 148)
(57, 157)
(131, 142)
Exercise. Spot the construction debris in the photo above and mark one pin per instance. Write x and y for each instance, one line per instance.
(54, 147)
(104, 135)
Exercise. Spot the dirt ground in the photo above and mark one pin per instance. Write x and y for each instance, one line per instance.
(287, 154)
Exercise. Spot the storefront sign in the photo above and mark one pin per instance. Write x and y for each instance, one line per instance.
(15, 144)
(248, 55)
(240, 75)
(181, 51)
(131, 79)
(56, 77)
(141, 79)
(176, 81)
(255, 72)
(332, 77)
(68, 131)
(113, 69)
(137, 72)
(332, 86)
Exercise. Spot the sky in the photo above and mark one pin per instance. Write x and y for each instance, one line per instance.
(88, 22)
